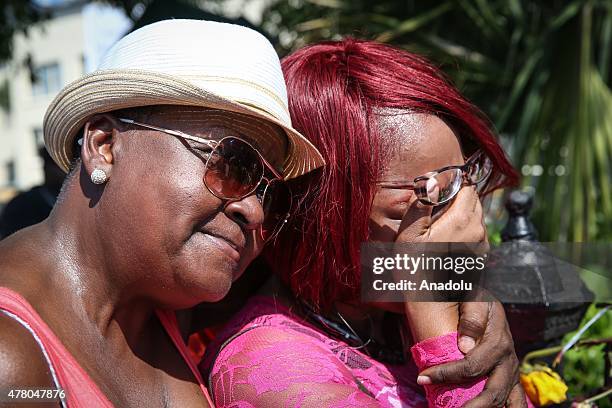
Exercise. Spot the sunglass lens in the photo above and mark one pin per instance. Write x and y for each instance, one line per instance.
(233, 169)
(277, 206)
(441, 187)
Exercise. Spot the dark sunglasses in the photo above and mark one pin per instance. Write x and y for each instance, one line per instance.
(235, 170)
(442, 185)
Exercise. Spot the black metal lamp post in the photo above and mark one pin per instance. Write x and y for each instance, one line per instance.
(544, 298)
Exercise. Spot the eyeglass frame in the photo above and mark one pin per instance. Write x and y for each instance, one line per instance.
(213, 144)
(463, 167)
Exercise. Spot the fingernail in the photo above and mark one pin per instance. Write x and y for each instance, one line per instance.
(466, 343)
(423, 380)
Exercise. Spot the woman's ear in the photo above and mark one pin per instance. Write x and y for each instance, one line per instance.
(97, 147)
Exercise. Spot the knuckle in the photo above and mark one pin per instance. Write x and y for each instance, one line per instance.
(508, 333)
(510, 352)
(504, 346)
(505, 337)
(516, 372)
(471, 323)
(473, 237)
(435, 374)
(479, 211)
(443, 375)
(482, 235)
(473, 368)
(498, 308)
(493, 398)
(514, 359)
(466, 219)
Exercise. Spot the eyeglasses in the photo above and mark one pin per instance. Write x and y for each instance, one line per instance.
(442, 185)
(234, 170)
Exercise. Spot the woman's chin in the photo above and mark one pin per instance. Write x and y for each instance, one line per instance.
(197, 285)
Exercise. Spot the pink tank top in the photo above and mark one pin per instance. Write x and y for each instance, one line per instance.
(81, 390)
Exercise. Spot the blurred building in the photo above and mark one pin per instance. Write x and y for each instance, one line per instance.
(64, 47)
(54, 53)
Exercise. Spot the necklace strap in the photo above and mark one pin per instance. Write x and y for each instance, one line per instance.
(343, 330)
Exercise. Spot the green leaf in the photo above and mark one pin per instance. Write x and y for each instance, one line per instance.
(414, 23)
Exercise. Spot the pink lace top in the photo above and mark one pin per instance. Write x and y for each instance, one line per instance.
(268, 356)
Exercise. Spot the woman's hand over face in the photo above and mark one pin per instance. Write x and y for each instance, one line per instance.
(484, 335)
(460, 221)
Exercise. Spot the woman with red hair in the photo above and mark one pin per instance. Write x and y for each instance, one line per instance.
(408, 158)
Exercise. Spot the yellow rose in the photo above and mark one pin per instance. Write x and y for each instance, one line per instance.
(543, 386)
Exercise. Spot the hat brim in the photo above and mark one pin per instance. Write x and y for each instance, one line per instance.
(109, 90)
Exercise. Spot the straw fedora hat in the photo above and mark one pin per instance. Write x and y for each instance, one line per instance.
(182, 62)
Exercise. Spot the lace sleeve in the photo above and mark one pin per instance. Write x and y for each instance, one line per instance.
(270, 367)
(440, 350)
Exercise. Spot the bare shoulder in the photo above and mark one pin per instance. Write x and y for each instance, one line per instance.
(22, 363)
(20, 264)
(12, 256)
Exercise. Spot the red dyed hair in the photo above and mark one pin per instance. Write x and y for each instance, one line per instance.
(333, 88)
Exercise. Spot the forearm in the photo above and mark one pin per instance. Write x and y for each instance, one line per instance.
(434, 330)
(431, 319)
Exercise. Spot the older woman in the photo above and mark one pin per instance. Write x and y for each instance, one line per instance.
(178, 145)
(387, 122)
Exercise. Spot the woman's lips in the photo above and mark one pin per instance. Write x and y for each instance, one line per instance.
(225, 245)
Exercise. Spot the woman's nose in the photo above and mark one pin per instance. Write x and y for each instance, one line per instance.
(247, 212)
